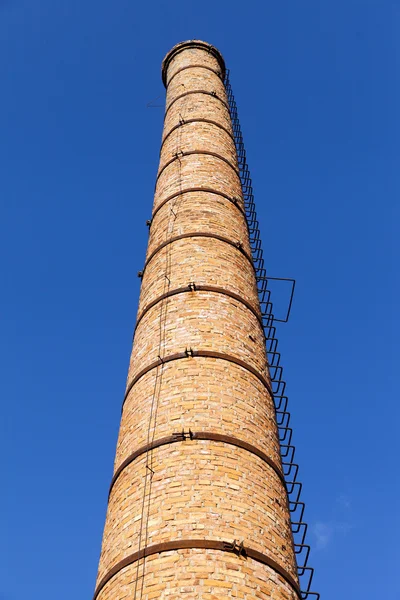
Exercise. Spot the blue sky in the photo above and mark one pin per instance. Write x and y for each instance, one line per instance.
(317, 87)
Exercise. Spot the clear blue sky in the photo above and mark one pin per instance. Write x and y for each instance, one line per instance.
(317, 87)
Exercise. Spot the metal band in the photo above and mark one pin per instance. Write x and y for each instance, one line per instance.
(195, 92)
(198, 189)
(200, 288)
(200, 353)
(244, 551)
(184, 122)
(198, 234)
(201, 435)
(219, 75)
(204, 153)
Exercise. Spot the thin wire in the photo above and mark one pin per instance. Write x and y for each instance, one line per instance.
(149, 471)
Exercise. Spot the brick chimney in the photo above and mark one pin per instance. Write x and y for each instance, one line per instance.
(197, 504)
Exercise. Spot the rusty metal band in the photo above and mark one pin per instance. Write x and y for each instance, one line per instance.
(197, 152)
(198, 189)
(200, 288)
(188, 121)
(217, 73)
(230, 547)
(200, 435)
(196, 92)
(198, 234)
(202, 354)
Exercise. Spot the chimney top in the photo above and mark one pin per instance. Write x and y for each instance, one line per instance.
(191, 44)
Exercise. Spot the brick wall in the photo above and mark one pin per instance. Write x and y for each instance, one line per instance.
(198, 294)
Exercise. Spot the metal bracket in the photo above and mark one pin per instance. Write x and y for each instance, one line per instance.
(235, 547)
(183, 435)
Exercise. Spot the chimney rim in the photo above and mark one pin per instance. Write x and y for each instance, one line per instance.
(191, 44)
